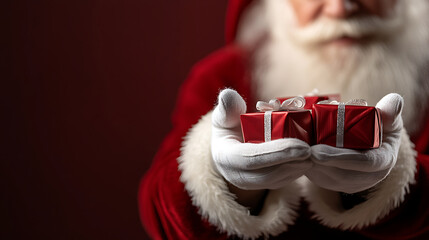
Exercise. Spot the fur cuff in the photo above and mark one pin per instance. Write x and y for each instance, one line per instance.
(209, 192)
(387, 195)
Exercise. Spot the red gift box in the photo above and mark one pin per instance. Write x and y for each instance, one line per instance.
(360, 127)
(284, 124)
(310, 100)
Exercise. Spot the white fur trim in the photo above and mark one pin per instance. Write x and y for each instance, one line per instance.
(209, 192)
(387, 195)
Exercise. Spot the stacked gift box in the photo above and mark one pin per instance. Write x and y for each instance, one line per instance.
(320, 119)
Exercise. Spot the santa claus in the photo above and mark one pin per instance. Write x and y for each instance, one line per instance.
(205, 183)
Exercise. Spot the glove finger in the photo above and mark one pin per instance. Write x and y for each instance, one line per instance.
(341, 180)
(270, 177)
(364, 161)
(227, 112)
(249, 156)
(391, 107)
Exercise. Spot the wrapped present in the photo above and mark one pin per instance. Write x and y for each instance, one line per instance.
(314, 97)
(277, 120)
(349, 125)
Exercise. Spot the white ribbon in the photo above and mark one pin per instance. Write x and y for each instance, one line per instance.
(290, 104)
(341, 116)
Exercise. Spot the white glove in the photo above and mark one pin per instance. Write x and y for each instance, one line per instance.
(351, 171)
(268, 165)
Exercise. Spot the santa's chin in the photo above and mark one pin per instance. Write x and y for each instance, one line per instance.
(341, 51)
(345, 41)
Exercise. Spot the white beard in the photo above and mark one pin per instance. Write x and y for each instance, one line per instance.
(287, 65)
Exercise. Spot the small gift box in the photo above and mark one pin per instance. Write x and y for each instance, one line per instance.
(276, 121)
(348, 125)
(314, 97)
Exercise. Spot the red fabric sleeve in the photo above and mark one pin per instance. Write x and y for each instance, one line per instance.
(411, 219)
(165, 207)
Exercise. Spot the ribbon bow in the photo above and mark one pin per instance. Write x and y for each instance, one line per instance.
(290, 104)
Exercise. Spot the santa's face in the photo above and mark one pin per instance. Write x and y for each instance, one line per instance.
(358, 48)
(309, 11)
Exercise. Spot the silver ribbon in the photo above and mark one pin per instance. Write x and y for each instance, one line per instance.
(341, 116)
(290, 104)
(267, 126)
(340, 125)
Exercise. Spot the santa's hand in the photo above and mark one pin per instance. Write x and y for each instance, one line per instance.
(351, 171)
(268, 165)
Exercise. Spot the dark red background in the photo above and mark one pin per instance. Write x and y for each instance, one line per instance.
(87, 90)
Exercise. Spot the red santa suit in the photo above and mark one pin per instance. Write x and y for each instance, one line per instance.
(182, 196)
